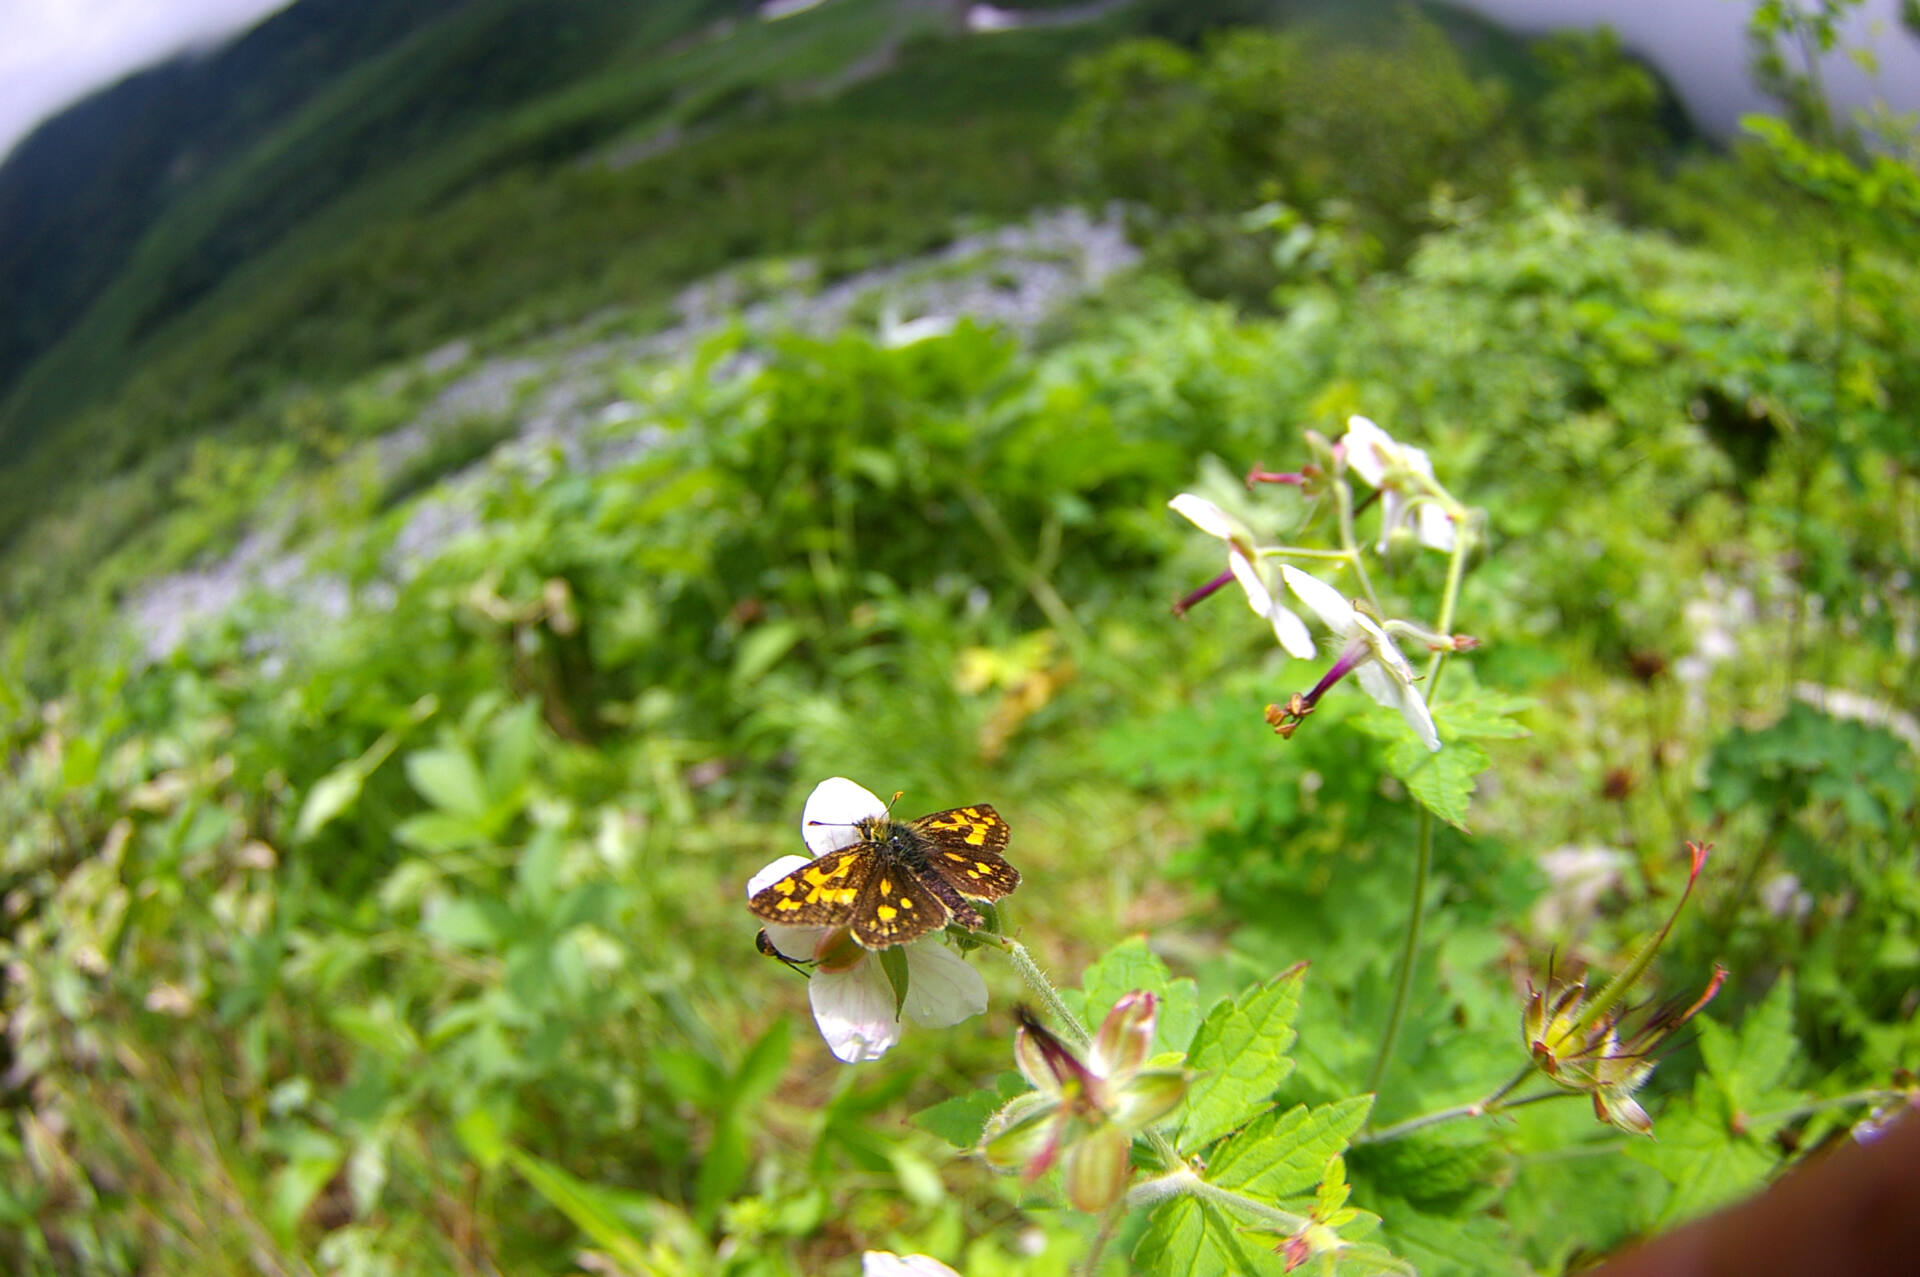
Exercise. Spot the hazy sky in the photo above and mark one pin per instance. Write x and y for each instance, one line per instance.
(1701, 46)
(55, 52)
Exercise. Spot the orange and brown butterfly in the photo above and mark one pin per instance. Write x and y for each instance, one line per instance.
(888, 881)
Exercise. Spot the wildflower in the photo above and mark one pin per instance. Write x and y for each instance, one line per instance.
(884, 1263)
(1410, 497)
(853, 1000)
(1369, 655)
(1083, 1114)
(1243, 565)
(1580, 1044)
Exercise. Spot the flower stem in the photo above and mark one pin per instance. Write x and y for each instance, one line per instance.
(1456, 572)
(1343, 503)
(1042, 987)
(1108, 1222)
(1872, 1095)
(1497, 1102)
(1416, 915)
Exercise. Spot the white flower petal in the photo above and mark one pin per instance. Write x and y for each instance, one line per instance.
(884, 1263)
(942, 987)
(1381, 682)
(834, 807)
(1435, 528)
(1248, 575)
(1292, 633)
(1206, 516)
(1370, 450)
(1327, 603)
(854, 1009)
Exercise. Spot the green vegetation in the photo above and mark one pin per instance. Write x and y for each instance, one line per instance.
(412, 938)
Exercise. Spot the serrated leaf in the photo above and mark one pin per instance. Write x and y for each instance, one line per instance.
(1700, 1156)
(1752, 1069)
(1445, 1246)
(1480, 713)
(1127, 966)
(960, 1120)
(1284, 1155)
(1190, 1238)
(1241, 1053)
(1442, 782)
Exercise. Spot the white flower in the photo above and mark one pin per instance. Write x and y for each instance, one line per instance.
(853, 1001)
(1369, 655)
(884, 1263)
(1244, 562)
(1392, 467)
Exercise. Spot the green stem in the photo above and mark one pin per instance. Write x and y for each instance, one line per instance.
(1343, 503)
(1872, 1095)
(1042, 987)
(1416, 915)
(1302, 552)
(1449, 598)
(1108, 1222)
(1495, 1103)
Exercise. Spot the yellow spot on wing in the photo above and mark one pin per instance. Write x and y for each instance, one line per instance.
(887, 912)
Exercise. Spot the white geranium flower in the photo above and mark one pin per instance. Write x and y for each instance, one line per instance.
(1243, 565)
(1369, 654)
(1396, 469)
(853, 1001)
(884, 1263)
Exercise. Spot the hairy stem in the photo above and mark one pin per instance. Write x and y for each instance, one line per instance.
(1042, 987)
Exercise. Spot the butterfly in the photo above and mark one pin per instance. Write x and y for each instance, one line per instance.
(889, 881)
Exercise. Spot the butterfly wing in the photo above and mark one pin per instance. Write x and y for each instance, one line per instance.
(895, 907)
(820, 894)
(966, 843)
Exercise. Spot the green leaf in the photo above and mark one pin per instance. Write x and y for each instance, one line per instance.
(1131, 965)
(1481, 713)
(1127, 966)
(1442, 782)
(1241, 1054)
(1700, 1156)
(1283, 1155)
(448, 778)
(510, 747)
(1752, 1070)
(960, 1120)
(331, 795)
(592, 1209)
(766, 1060)
(761, 648)
(893, 964)
(466, 924)
(1190, 1238)
(312, 1164)
(482, 1135)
